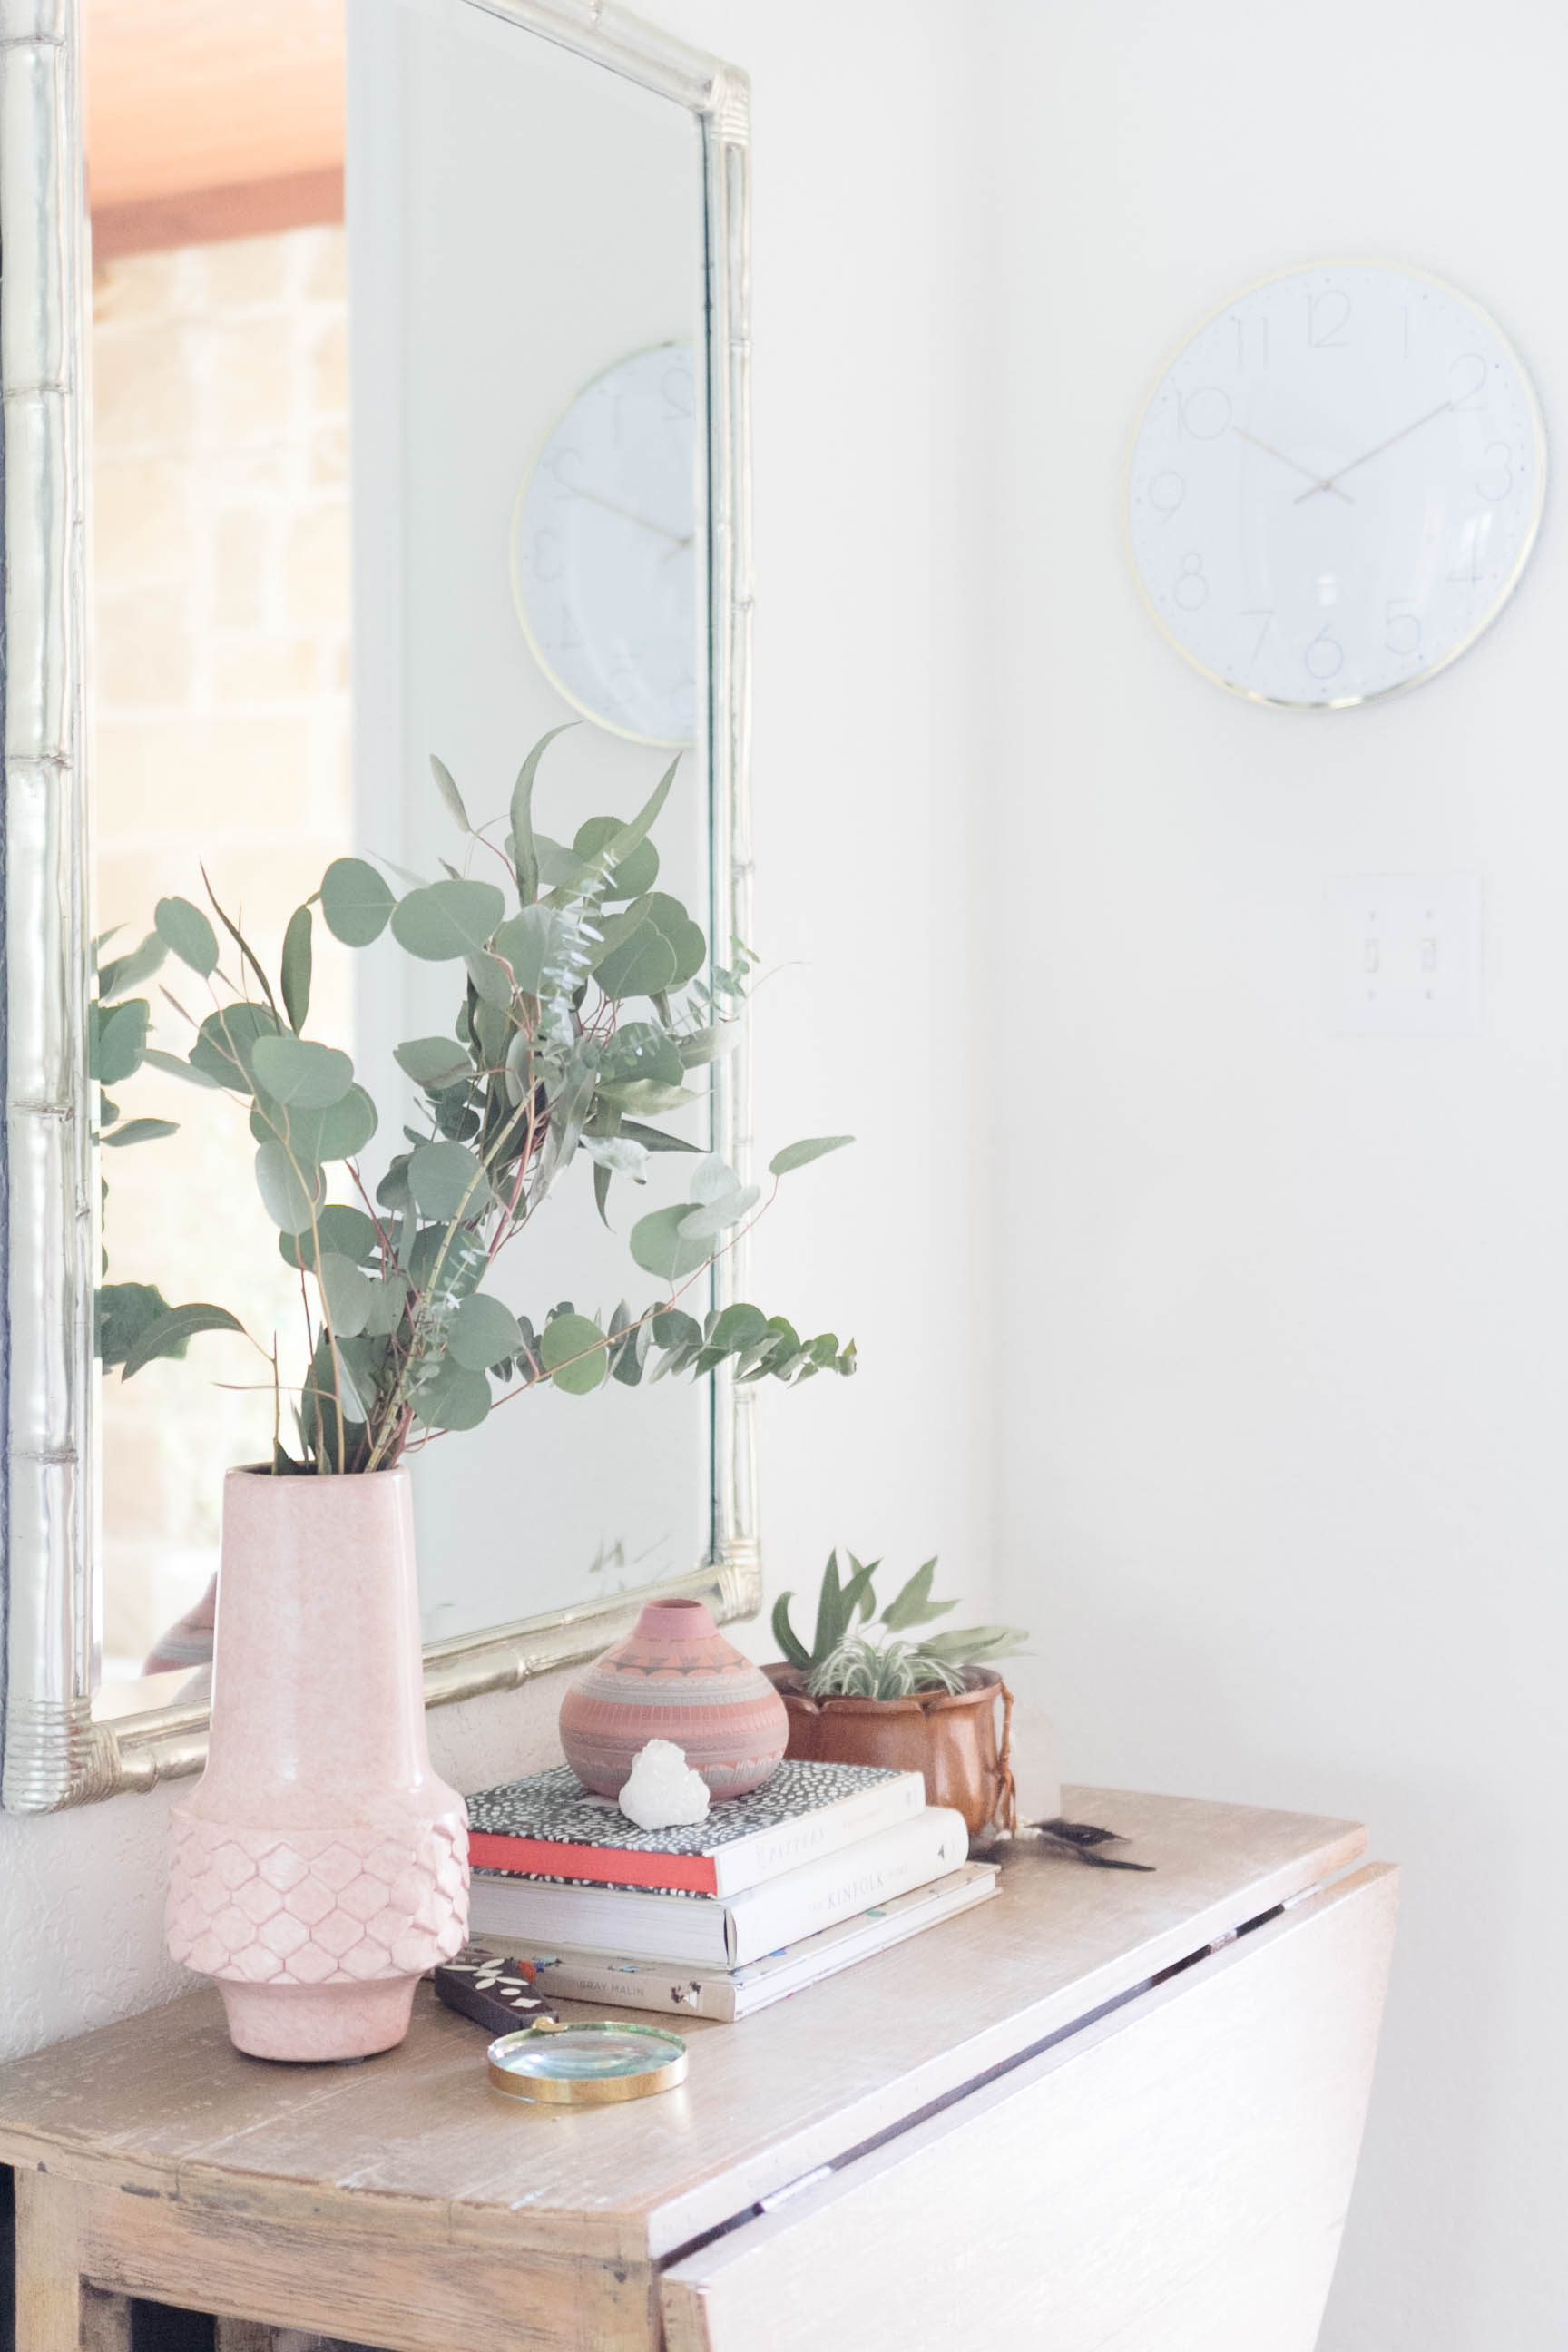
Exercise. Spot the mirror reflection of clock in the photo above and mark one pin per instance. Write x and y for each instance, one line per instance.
(603, 550)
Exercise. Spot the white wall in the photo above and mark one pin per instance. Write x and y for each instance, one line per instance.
(1283, 1372)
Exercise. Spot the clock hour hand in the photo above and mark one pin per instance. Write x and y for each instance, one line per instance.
(1368, 455)
(1295, 465)
(627, 515)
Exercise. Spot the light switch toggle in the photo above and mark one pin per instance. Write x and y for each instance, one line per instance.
(1404, 955)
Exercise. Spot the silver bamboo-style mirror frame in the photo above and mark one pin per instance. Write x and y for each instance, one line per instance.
(58, 1750)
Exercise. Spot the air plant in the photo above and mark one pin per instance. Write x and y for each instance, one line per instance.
(842, 1663)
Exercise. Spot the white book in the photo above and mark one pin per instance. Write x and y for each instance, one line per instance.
(724, 1932)
(730, 1993)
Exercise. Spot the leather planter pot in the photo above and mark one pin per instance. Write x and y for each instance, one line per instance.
(951, 1738)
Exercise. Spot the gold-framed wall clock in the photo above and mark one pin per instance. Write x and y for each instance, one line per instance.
(1335, 484)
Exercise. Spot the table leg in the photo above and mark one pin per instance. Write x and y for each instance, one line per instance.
(55, 2311)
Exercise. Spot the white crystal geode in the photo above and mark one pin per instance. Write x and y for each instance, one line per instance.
(663, 1791)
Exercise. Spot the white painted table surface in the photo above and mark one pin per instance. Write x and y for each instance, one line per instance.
(1173, 2171)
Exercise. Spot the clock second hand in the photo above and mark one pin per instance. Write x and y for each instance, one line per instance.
(1317, 480)
(627, 515)
(1366, 456)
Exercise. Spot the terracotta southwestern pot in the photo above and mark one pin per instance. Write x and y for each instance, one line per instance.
(319, 1866)
(952, 1738)
(674, 1678)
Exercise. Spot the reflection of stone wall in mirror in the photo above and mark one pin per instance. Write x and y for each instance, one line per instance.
(221, 626)
(519, 220)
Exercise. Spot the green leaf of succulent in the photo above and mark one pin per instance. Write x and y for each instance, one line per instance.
(633, 872)
(348, 1232)
(346, 1293)
(659, 1245)
(227, 1040)
(800, 1155)
(302, 1075)
(702, 1225)
(186, 933)
(356, 901)
(575, 1352)
(795, 1652)
(446, 919)
(296, 968)
(643, 965)
(166, 1335)
(645, 1095)
(524, 852)
(289, 1196)
(453, 1399)
(176, 1068)
(128, 971)
(913, 1605)
(141, 1130)
(118, 1041)
(483, 1332)
(450, 794)
(976, 1645)
(446, 1181)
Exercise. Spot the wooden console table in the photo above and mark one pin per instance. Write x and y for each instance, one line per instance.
(1103, 2109)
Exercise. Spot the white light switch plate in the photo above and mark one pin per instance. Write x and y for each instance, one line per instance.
(1404, 955)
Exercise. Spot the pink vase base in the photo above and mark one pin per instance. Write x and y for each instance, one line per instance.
(313, 2024)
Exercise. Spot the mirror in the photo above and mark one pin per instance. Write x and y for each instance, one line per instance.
(416, 344)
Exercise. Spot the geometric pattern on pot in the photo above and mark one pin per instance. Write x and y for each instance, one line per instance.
(674, 1678)
(317, 1908)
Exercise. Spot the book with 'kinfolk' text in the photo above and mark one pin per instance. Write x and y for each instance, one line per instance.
(725, 1932)
(549, 1826)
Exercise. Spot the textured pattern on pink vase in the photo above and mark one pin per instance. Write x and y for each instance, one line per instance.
(317, 1908)
(674, 1678)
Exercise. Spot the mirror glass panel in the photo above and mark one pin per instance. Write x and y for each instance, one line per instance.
(398, 447)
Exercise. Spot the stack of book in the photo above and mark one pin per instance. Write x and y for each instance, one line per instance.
(822, 1866)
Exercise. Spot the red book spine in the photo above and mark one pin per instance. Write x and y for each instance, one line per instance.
(614, 1866)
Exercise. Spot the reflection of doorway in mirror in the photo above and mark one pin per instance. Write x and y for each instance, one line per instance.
(221, 673)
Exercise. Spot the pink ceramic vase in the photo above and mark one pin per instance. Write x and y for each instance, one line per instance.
(674, 1678)
(318, 1865)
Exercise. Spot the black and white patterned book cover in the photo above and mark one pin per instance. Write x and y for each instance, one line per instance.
(554, 1808)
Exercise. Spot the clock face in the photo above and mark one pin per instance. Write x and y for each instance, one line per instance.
(1335, 484)
(603, 550)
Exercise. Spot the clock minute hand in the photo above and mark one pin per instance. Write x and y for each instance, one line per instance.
(627, 515)
(1317, 480)
(1366, 456)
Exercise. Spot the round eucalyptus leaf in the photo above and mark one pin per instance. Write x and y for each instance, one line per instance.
(356, 901)
(315, 1136)
(454, 1399)
(575, 1353)
(288, 1198)
(186, 933)
(447, 1179)
(528, 942)
(226, 1041)
(702, 1225)
(446, 919)
(660, 1246)
(347, 1293)
(483, 1332)
(388, 1300)
(686, 938)
(713, 1177)
(635, 873)
(434, 1062)
(120, 1042)
(643, 964)
(348, 1232)
(300, 1075)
